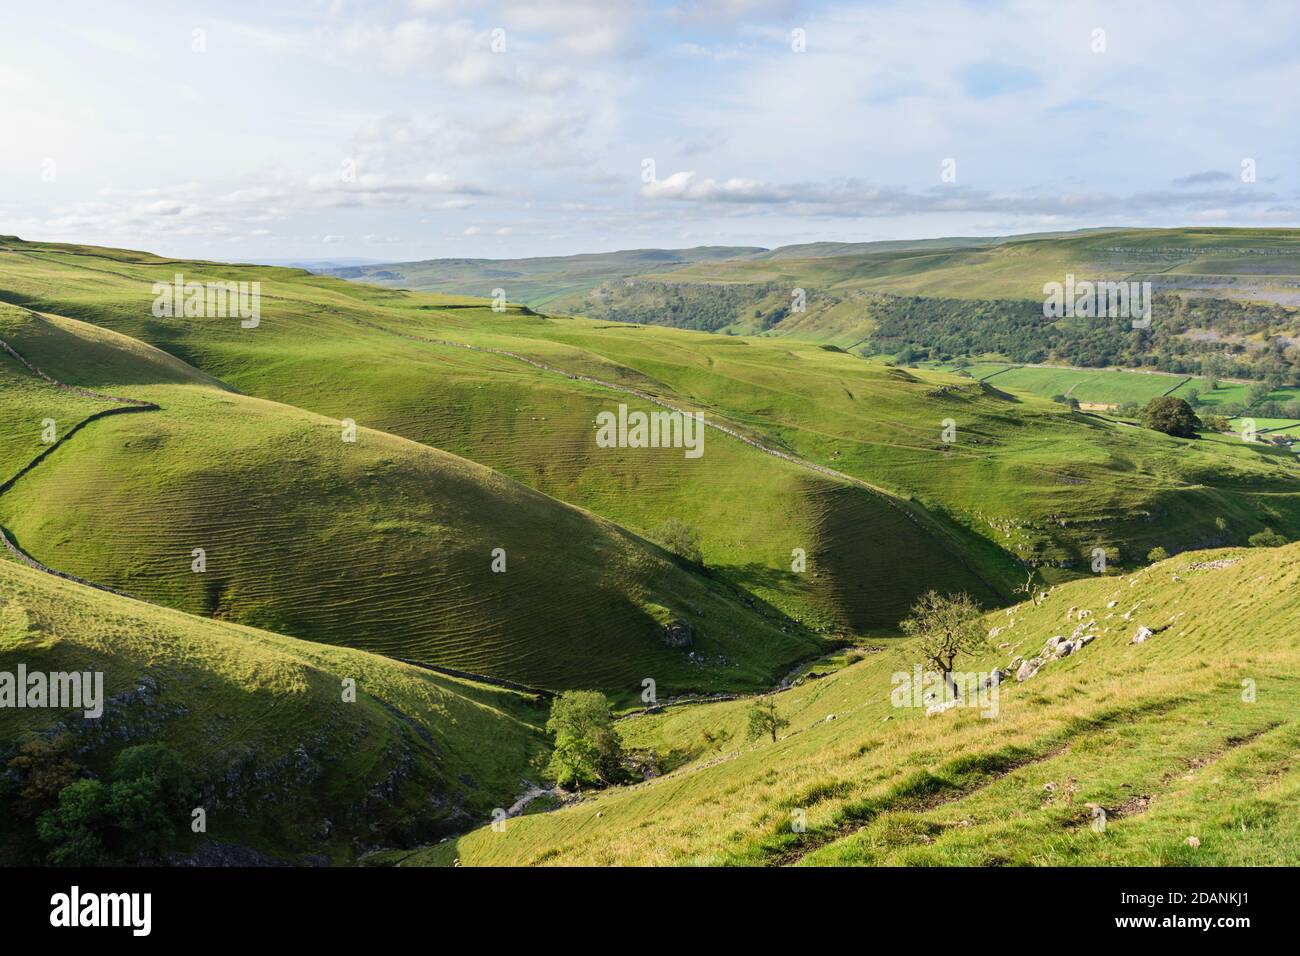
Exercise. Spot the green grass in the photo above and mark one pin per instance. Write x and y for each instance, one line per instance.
(1019, 267)
(381, 544)
(324, 345)
(1090, 385)
(1160, 734)
(999, 495)
(260, 722)
(381, 549)
(535, 281)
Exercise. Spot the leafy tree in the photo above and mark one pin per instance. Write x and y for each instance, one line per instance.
(1157, 554)
(147, 798)
(1171, 415)
(1267, 539)
(1258, 392)
(157, 762)
(136, 815)
(1192, 395)
(681, 539)
(44, 769)
(76, 827)
(587, 747)
(946, 626)
(764, 721)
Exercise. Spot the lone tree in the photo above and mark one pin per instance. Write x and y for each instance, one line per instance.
(1171, 415)
(681, 539)
(587, 747)
(946, 626)
(764, 720)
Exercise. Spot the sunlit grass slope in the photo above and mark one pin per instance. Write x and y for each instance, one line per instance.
(381, 543)
(281, 763)
(1193, 733)
(364, 353)
(1018, 268)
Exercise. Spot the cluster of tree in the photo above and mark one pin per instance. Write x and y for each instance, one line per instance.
(701, 306)
(588, 750)
(137, 813)
(1232, 339)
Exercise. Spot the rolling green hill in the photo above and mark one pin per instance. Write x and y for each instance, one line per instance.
(1192, 733)
(1223, 297)
(534, 281)
(475, 431)
(1024, 482)
(281, 763)
(452, 374)
(380, 543)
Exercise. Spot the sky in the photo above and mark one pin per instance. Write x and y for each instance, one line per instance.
(396, 130)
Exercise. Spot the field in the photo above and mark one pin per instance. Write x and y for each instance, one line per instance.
(1192, 733)
(1109, 386)
(1112, 386)
(1268, 426)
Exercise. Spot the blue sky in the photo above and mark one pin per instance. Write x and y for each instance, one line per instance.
(431, 128)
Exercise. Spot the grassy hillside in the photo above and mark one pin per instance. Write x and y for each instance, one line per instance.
(279, 761)
(1224, 299)
(399, 363)
(534, 281)
(381, 543)
(1024, 481)
(1192, 733)
(1018, 268)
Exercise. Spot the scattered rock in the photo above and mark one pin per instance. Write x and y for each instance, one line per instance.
(1028, 669)
(1213, 565)
(677, 633)
(1193, 842)
(1143, 633)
